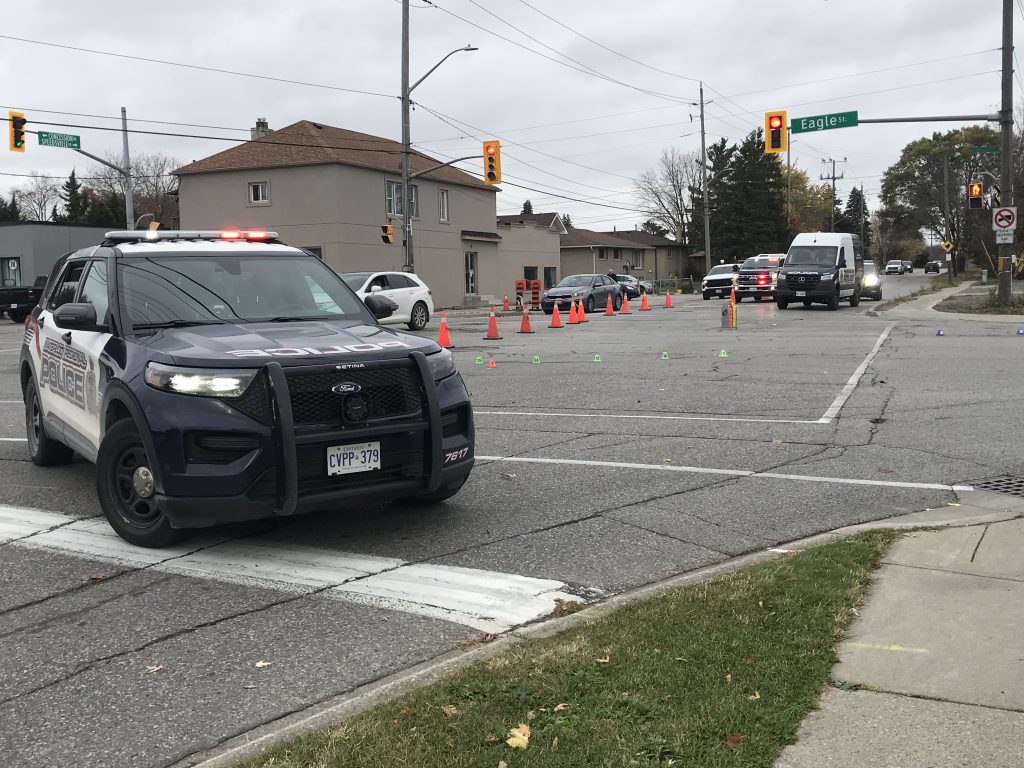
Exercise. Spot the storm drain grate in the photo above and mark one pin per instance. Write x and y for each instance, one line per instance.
(1014, 486)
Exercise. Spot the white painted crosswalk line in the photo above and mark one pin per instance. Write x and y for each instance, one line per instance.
(488, 601)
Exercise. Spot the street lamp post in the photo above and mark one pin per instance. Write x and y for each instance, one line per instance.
(407, 196)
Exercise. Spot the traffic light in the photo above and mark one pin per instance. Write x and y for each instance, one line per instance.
(975, 190)
(492, 162)
(776, 133)
(387, 233)
(16, 129)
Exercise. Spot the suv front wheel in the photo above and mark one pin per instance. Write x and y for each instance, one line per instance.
(127, 491)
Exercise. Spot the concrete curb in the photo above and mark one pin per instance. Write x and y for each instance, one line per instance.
(981, 508)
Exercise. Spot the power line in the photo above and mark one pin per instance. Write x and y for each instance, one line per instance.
(118, 117)
(197, 67)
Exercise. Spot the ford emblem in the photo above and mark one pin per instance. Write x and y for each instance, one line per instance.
(346, 388)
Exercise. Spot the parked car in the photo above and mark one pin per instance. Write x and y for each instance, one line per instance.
(908, 266)
(592, 290)
(895, 267)
(933, 266)
(719, 281)
(17, 301)
(408, 291)
(632, 287)
(759, 275)
(871, 282)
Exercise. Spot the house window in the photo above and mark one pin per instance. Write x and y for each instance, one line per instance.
(315, 250)
(638, 259)
(259, 193)
(471, 272)
(442, 199)
(618, 254)
(601, 255)
(393, 199)
(550, 277)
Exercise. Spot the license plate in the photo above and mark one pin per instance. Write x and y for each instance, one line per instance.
(801, 293)
(722, 291)
(358, 457)
(14, 306)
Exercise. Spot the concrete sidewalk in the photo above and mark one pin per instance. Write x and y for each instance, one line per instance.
(923, 307)
(931, 673)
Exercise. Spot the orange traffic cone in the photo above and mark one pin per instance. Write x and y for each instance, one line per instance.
(556, 319)
(505, 307)
(668, 299)
(492, 327)
(443, 339)
(644, 306)
(732, 295)
(574, 319)
(581, 315)
(491, 363)
(624, 309)
(609, 309)
(525, 327)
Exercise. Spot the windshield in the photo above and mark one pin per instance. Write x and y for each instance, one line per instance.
(870, 267)
(755, 263)
(719, 269)
(355, 280)
(812, 255)
(201, 289)
(625, 278)
(576, 281)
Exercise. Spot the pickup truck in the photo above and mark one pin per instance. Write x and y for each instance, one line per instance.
(18, 301)
(758, 276)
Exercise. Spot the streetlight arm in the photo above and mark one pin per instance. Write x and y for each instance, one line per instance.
(429, 71)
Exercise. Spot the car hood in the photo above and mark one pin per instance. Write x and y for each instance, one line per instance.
(556, 293)
(806, 269)
(305, 342)
(720, 278)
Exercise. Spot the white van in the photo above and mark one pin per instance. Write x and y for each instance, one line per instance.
(823, 268)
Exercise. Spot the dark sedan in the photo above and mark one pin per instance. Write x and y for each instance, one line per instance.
(592, 290)
(633, 287)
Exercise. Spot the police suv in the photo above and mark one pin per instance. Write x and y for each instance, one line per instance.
(215, 377)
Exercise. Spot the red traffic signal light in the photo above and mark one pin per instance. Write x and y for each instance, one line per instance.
(492, 162)
(16, 131)
(776, 132)
(975, 191)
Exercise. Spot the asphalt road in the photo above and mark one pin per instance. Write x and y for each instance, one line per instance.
(600, 477)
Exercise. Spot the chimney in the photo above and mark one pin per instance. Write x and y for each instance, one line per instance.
(262, 129)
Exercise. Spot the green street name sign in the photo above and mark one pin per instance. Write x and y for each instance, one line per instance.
(65, 140)
(824, 122)
(985, 149)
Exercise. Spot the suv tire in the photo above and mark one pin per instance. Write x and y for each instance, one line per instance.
(43, 451)
(17, 316)
(781, 303)
(833, 301)
(855, 299)
(122, 466)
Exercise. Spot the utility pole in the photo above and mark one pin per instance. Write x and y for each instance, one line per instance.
(863, 244)
(951, 265)
(832, 178)
(789, 181)
(704, 184)
(406, 186)
(1006, 122)
(129, 194)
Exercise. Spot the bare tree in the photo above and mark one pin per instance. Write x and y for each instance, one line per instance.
(664, 191)
(152, 184)
(37, 197)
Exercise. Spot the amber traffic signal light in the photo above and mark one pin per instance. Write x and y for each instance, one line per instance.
(975, 191)
(492, 162)
(776, 133)
(16, 131)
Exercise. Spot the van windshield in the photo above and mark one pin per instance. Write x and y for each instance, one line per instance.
(812, 255)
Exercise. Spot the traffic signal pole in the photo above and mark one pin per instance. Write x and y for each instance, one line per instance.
(1006, 123)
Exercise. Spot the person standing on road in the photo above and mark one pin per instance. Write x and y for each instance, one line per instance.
(612, 275)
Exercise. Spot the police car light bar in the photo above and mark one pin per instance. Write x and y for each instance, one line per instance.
(136, 235)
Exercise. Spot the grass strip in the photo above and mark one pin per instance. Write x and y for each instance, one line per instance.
(718, 673)
(986, 303)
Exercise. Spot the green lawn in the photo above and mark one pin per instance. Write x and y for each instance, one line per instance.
(718, 673)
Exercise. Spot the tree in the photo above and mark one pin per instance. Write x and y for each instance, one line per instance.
(527, 209)
(36, 197)
(664, 191)
(894, 239)
(76, 202)
(719, 156)
(105, 209)
(9, 211)
(153, 186)
(809, 203)
(856, 217)
(651, 227)
(566, 221)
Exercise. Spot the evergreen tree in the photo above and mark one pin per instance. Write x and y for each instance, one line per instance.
(104, 209)
(9, 211)
(566, 221)
(651, 227)
(856, 216)
(76, 203)
(527, 208)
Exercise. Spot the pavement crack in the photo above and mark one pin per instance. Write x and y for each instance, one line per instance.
(978, 545)
(844, 687)
(953, 572)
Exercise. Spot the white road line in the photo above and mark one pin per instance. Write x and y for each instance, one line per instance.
(844, 395)
(728, 472)
(11, 402)
(16, 349)
(487, 601)
(13, 439)
(645, 417)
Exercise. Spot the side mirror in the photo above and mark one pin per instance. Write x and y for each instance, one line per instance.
(735, 267)
(75, 317)
(376, 289)
(380, 306)
(842, 262)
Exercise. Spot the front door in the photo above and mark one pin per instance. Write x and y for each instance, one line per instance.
(471, 273)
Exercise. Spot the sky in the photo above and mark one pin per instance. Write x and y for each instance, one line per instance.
(583, 94)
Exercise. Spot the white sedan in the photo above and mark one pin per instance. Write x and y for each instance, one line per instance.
(413, 297)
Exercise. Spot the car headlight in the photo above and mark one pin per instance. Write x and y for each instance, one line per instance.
(204, 382)
(871, 280)
(442, 364)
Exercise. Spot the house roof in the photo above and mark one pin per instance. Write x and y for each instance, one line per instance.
(585, 238)
(309, 143)
(639, 236)
(550, 220)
